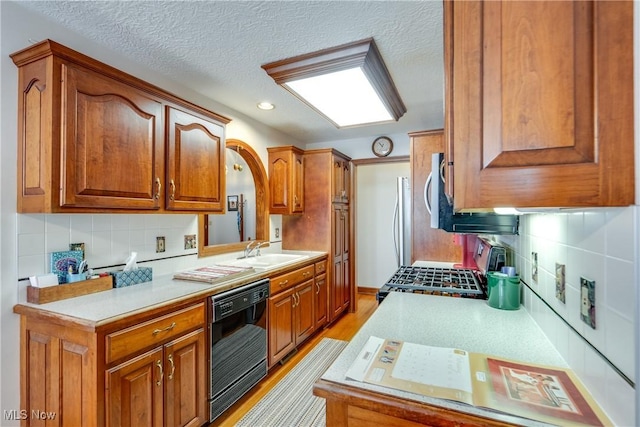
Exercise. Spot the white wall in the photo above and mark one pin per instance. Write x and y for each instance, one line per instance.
(375, 199)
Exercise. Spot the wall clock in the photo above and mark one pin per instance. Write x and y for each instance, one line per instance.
(382, 146)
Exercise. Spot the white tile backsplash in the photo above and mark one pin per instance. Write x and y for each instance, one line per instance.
(108, 239)
(599, 245)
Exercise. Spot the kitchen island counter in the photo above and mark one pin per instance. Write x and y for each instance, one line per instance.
(466, 324)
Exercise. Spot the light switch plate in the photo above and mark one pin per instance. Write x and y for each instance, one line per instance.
(160, 244)
(588, 301)
(190, 241)
(560, 283)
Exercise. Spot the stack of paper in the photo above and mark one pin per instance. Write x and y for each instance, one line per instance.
(213, 274)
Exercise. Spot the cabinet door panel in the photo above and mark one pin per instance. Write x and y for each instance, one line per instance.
(185, 380)
(298, 183)
(279, 183)
(281, 326)
(195, 163)
(112, 147)
(134, 395)
(321, 301)
(304, 311)
(539, 104)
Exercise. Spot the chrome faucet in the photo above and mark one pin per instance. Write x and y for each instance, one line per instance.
(250, 248)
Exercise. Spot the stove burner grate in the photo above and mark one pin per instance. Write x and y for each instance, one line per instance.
(436, 279)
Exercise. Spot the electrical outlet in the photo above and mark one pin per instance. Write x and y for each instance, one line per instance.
(160, 244)
(277, 233)
(190, 241)
(588, 301)
(534, 266)
(560, 293)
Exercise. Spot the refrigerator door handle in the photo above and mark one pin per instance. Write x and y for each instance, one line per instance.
(394, 231)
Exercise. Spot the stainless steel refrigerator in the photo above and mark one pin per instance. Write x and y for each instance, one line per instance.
(402, 222)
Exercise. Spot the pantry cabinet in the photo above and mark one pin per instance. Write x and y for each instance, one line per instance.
(286, 180)
(95, 139)
(327, 223)
(539, 103)
(145, 369)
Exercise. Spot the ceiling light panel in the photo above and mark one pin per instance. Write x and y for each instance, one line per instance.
(348, 84)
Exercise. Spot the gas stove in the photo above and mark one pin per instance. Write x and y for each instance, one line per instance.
(465, 282)
(455, 282)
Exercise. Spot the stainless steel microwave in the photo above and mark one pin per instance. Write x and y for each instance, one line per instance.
(444, 218)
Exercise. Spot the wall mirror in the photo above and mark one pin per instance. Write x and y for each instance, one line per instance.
(246, 216)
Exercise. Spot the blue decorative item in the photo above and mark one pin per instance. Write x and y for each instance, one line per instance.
(65, 262)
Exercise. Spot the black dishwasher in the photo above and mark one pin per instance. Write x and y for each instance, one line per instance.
(238, 343)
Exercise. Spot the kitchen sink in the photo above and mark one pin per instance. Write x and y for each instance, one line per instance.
(266, 261)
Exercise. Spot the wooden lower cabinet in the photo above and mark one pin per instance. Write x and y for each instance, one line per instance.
(135, 395)
(298, 306)
(80, 373)
(292, 320)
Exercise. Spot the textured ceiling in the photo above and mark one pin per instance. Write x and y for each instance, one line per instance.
(217, 48)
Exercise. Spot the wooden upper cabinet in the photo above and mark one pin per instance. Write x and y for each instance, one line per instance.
(286, 180)
(95, 139)
(539, 103)
(111, 148)
(195, 162)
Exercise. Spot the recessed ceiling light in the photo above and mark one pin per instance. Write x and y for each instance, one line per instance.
(349, 84)
(266, 106)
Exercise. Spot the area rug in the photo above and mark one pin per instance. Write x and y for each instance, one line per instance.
(291, 402)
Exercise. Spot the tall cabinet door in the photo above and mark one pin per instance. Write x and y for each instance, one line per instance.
(112, 146)
(341, 272)
(539, 103)
(135, 392)
(195, 163)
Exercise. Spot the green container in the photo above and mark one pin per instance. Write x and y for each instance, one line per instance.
(503, 291)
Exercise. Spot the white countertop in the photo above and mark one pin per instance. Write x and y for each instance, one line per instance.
(113, 304)
(466, 324)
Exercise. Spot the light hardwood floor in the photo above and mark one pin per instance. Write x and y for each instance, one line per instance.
(342, 329)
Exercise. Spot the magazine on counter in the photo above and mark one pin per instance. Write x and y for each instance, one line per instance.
(543, 393)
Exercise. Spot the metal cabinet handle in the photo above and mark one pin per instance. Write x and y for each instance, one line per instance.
(296, 299)
(281, 284)
(295, 200)
(173, 190)
(306, 273)
(318, 288)
(167, 329)
(159, 365)
(173, 366)
(158, 188)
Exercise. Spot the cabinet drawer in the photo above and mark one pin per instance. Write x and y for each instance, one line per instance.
(129, 341)
(285, 281)
(321, 267)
